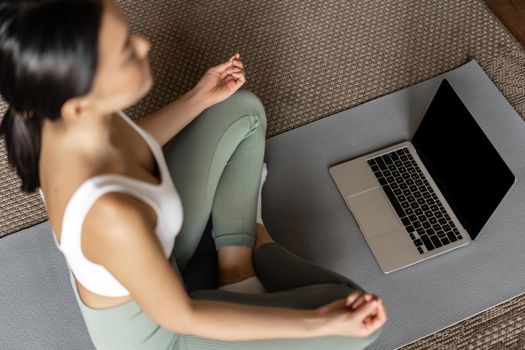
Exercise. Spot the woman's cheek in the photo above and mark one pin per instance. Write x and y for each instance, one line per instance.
(136, 77)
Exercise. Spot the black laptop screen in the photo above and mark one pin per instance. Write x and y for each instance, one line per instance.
(463, 162)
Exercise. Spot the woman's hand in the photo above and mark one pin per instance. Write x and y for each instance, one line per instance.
(221, 81)
(354, 315)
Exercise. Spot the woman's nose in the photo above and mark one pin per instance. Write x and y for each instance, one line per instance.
(144, 46)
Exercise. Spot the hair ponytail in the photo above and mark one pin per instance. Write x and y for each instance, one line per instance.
(24, 137)
(48, 54)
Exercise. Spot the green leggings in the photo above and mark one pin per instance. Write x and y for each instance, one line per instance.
(216, 163)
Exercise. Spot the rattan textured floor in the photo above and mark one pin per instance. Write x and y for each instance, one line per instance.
(310, 59)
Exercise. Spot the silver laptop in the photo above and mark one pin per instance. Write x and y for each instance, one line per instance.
(421, 198)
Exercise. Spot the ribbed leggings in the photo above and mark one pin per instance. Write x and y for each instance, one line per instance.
(216, 163)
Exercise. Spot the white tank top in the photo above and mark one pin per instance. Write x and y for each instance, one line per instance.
(164, 198)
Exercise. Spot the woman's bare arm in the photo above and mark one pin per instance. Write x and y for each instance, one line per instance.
(129, 249)
(168, 121)
(232, 321)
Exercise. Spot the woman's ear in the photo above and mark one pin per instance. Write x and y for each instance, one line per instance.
(75, 108)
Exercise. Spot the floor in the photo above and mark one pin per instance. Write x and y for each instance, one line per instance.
(512, 14)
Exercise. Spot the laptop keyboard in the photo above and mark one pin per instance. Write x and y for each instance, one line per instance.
(414, 200)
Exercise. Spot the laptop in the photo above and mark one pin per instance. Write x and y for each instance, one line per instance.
(423, 197)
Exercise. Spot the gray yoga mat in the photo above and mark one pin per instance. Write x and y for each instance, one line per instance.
(38, 307)
(304, 211)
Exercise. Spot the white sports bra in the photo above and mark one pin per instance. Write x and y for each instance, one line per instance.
(163, 197)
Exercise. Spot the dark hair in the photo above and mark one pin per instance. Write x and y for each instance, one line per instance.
(48, 54)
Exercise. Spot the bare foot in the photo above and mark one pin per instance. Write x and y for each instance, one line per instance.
(263, 236)
(235, 264)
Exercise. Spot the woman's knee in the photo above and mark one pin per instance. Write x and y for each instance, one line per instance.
(254, 104)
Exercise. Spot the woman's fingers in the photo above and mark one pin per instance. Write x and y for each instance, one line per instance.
(380, 317)
(366, 309)
(241, 79)
(359, 301)
(236, 56)
(231, 70)
(353, 297)
(381, 312)
(228, 79)
(361, 305)
(233, 76)
(362, 299)
(237, 78)
(370, 317)
(221, 67)
(334, 305)
(238, 63)
(368, 298)
(377, 317)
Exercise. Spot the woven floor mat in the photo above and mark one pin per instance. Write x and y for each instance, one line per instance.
(310, 59)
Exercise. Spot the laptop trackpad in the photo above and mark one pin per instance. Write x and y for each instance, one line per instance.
(373, 212)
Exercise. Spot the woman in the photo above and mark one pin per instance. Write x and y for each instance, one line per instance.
(67, 69)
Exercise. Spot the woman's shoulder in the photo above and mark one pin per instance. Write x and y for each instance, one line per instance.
(112, 217)
(61, 175)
